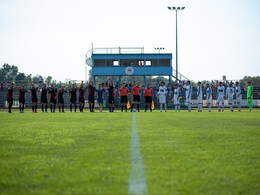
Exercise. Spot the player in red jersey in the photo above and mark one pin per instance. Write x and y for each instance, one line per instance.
(44, 98)
(111, 97)
(136, 96)
(148, 94)
(91, 96)
(10, 97)
(81, 97)
(34, 98)
(73, 96)
(53, 97)
(61, 99)
(123, 92)
(22, 92)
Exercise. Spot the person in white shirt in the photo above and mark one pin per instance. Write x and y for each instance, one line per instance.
(229, 95)
(220, 96)
(238, 95)
(199, 96)
(176, 97)
(209, 96)
(162, 96)
(188, 94)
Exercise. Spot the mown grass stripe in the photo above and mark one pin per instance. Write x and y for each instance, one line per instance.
(137, 180)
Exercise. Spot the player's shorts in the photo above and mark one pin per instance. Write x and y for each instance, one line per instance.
(111, 100)
(81, 100)
(61, 100)
(100, 100)
(200, 100)
(220, 99)
(73, 100)
(176, 101)
(91, 99)
(44, 100)
(188, 100)
(10, 100)
(148, 99)
(136, 98)
(123, 99)
(209, 100)
(230, 100)
(34, 100)
(53, 100)
(239, 98)
(21, 100)
(162, 99)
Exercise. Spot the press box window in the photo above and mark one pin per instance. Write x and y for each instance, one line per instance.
(148, 63)
(115, 63)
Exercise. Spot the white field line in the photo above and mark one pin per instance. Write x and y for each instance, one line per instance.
(137, 180)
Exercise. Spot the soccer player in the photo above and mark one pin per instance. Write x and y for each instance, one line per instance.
(238, 95)
(229, 95)
(61, 99)
(100, 92)
(91, 96)
(209, 96)
(199, 94)
(34, 97)
(123, 92)
(53, 97)
(81, 97)
(136, 96)
(44, 92)
(73, 96)
(111, 97)
(188, 94)
(220, 96)
(176, 97)
(162, 96)
(22, 92)
(249, 90)
(10, 97)
(148, 94)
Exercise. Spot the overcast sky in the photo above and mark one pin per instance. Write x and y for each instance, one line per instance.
(51, 37)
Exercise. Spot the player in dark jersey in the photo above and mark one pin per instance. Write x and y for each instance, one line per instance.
(91, 96)
(22, 92)
(111, 97)
(73, 96)
(44, 97)
(53, 97)
(61, 99)
(34, 98)
(10, 97)
(81, 97)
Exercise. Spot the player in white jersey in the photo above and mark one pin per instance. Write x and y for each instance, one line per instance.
(220, 96)
(238, 95)
(188, 94)
(199, 96)
(162, 96)
(229, 95)
(209, 96)
(176, 97)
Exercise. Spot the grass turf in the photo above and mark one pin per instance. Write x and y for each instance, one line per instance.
(184, 153)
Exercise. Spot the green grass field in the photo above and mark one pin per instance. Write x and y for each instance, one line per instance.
(89, 153)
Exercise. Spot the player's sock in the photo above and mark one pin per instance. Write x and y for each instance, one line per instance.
(59, 109)
(209, 107)
(33, 108)
(179, 108)
(125, 107)
(223, 107)
(9, 107)
(113, 109)
(90, 107)
(62, 108)
(51, 107)
(218, 106)
(231, 107)
(138, 107)
(42, 108)
(93, 107)
(161, 107)
(75, 107)
(46, 108)
(71, 108)
(145, 108)
(102, 107)
(151, 108)
(20, 107)
(189, 107)
(23, 107)
(54, 106)
(165, 107)
(251, 106)
(82, 107)
(122, 108)
(239, 106)
(175, 108)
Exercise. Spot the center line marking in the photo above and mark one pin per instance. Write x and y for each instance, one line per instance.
(137, 180)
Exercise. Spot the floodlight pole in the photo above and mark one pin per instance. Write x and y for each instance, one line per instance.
(176, 9)
(159, 49)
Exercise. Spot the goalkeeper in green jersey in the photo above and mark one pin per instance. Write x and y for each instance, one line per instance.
(249, 90)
